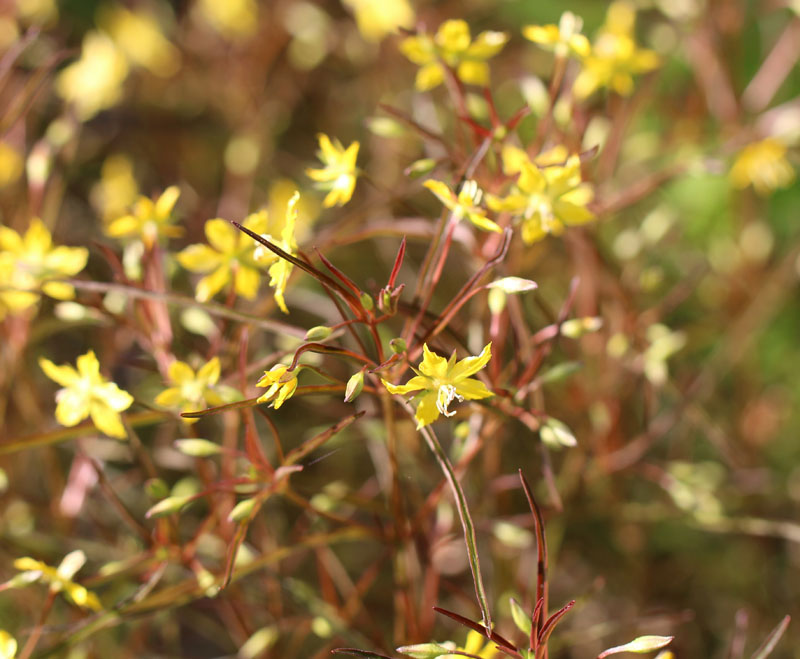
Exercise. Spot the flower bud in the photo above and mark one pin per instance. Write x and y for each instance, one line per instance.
(354, 387)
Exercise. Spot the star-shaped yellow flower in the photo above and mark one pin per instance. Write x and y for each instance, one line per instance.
(547, 195)
(465, 204)
(764, 166)
(339, 172)
(59, 579)
(229, 258)
(454, 47)
(149, 220)
(30, 262)
(564, 39)
(615, 58)
(86, 393)
(191, 391)
(281, 385)
(441, 381)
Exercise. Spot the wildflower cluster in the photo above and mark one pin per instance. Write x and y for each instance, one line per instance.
(361, 351)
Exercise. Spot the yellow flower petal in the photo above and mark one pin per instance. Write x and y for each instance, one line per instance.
(106, 420)
(472, 389)
(246, 282)
(474, 73)
(221, 235)
(471, 365)
(63, 375)
(427, 412)
(212, 284)
(180, 372)
(210, 371)
(170, 397)
(199, 258)
(166, 202)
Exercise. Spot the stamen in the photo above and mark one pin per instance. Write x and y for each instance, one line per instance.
(445, 396)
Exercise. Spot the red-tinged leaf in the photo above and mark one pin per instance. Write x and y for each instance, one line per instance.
(297, 454)
(478, 627)
(339, 274)
(550, 625)
(398, 261)
(305, 267)
(541, 548)
(772, 640)
(536, 620)
(238, 405)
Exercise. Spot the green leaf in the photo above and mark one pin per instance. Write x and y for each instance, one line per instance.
(639, 645)
(521, 619)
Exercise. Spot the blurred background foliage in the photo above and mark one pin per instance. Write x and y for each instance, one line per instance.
(675, 513)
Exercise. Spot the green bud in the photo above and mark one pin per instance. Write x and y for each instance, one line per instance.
(318, 333)
(577, 327)
(521, 619)
(197, 448)
(398, 345)
(168, 506)
(366, 301)
(556, 434)
(425, 650)
(420, 167)
(242, 510)
(354, 387)
(514, 285)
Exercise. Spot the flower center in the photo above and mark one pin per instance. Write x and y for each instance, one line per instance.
(445, 396)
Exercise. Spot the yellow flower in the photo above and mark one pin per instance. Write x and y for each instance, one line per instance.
(475, 645)
(615, 58)
(452, 46)
(229, 259)
(94, 82)
(139, 37)
(30, 263)
(465, 204)
(150, 220)
(339, 172)
(10, 164)
(42, 12)
(441, 381)
(546, 196)
(59, 579)
(117, 189)
(764, 166)
(86, 393)
(281, 385)
(234, 19)
(564, 39)
(377, 18)
(8, 645)
(280, 269)
(192, 391)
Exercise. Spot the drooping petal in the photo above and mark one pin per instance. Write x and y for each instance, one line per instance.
(414, 384)
(427, 412)
(429, 76)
